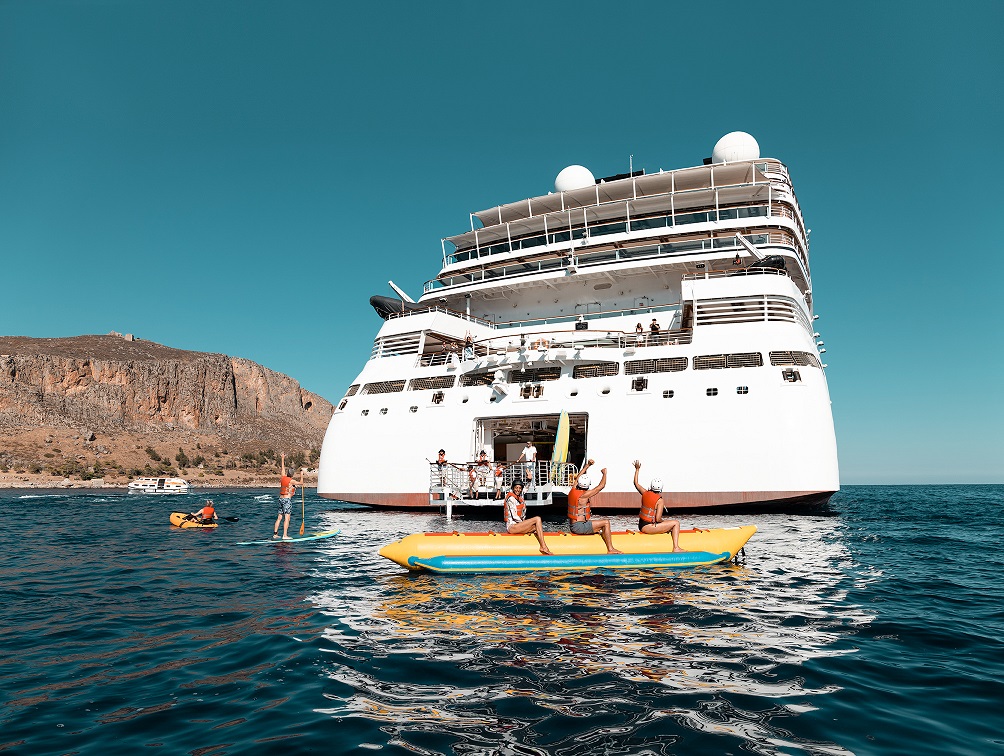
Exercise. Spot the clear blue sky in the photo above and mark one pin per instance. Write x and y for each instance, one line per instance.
(241, 176)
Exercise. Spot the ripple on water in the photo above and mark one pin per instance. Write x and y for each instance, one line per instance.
(125, 634)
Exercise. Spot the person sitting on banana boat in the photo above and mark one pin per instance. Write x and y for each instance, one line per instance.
(580, 520)
(516, 520)
(652, 509)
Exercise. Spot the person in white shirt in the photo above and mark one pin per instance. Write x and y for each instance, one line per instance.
(516, 520)
(529, 457)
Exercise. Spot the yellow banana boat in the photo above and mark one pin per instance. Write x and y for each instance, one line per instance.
(465, 553)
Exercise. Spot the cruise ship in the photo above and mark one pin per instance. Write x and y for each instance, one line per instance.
(665, 317)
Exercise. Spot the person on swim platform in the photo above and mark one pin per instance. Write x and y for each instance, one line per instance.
(516, 520)
(580, 520)
(287, 488)
(652, 508)
(205, 515)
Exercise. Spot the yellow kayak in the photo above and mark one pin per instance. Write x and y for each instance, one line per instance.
(465, 553)
(185, 520)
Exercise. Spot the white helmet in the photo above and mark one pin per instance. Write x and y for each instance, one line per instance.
(655, 485)
(583, 482)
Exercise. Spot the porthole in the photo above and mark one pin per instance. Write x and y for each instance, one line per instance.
(364, 413)
(742, 389)
(668, 394)
(383, 410)
(413, 408)
(712, 392)
(573, 392)
(464, 399)
(605, 390)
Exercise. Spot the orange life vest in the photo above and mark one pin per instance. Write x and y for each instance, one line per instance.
(286, 487)
(207, 513)
(649, 503)
(520, 507)
(578, 512)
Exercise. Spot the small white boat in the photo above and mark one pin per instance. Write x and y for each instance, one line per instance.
(160, 486)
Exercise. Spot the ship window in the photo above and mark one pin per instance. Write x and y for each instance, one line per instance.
(413, 408)
(438, 397)
(719, 361)
(352, 390)
(598, 370)
(477, 379)
(668, 394)
(665, 365)
(791, 375)
(527, 390)
(639, 384)
(802, 359)
(341, 404)
(535, 375)
(712, 392)
(364, 413)
(384, 387)
(742, 389)
(383, 410)
(605, 391)
(574, 392)
(433, 382)
(537, 391)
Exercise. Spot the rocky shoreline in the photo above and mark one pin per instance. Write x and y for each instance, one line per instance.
(34, 482)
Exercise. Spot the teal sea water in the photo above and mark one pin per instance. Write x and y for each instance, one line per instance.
(875, 628)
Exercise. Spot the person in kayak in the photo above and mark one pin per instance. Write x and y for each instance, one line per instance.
(205, 515)
(652, 508)
(516, 520)
(287, 488)
(580, 520)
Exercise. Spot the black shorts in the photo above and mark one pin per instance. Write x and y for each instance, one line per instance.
(642, 524)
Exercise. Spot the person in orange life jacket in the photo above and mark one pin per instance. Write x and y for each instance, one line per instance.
(499, 480)
(580, 520)
(516, 520)
(207, 514)
(652, 508)
(287, 487)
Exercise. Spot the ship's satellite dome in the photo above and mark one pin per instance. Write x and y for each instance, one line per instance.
(735, 146)
(573, 177)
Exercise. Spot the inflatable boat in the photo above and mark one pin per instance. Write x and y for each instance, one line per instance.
(185, 520)
(467, 553)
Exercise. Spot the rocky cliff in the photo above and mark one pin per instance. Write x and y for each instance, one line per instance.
(111, 384)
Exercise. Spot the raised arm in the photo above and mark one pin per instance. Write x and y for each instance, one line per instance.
(283, 456)
(637, 469)
(601, 486)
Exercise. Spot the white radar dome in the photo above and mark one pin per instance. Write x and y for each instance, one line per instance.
(573, 177)
(735, 146)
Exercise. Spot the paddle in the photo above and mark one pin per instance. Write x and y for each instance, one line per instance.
(303, 504)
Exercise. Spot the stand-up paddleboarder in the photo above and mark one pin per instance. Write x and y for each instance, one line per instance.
(287, 488)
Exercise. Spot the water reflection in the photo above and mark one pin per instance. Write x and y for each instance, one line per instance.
(719, 631)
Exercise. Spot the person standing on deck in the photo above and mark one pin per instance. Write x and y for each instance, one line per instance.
(580, 514)
(529, 457)
(652, 508)
(516, 521)
(287, 488)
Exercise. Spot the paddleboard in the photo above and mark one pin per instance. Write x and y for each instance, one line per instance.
(293, 539)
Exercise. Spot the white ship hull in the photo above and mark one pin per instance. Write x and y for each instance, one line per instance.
(755, 435)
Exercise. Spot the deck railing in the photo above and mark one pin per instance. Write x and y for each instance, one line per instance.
(465, 480)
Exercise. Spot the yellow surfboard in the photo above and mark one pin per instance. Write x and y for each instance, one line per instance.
(560, 454)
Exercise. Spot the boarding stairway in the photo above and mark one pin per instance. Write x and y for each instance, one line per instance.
(478, 484)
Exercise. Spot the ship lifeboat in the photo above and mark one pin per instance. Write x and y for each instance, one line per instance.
(471, 553)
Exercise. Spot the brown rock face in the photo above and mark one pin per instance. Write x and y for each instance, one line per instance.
(106, 383)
